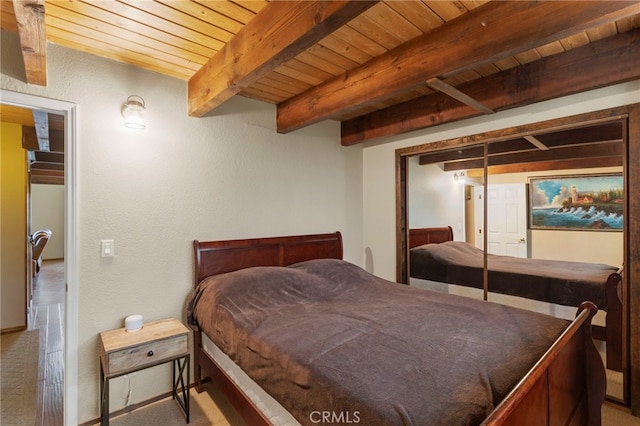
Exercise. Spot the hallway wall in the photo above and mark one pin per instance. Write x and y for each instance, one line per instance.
(47, 211)
(13, 228)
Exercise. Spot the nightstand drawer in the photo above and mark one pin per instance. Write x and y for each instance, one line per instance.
(134, 358)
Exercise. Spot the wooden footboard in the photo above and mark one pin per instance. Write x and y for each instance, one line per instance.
(566, 386)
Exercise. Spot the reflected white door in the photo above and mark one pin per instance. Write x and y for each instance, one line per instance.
(506, 220)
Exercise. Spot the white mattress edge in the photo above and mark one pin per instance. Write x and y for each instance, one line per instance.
(271, 408)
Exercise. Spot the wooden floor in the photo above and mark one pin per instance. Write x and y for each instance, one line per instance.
(47, 315)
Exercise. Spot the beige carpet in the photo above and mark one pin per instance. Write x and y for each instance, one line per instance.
(19, 377)
(615, 415)
(211, 408)
(207, 408)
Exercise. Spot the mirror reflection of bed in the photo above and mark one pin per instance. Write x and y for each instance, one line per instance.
(445, 190)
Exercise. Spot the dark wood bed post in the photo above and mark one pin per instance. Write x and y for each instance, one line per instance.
(596, 388)
(197, 371)
(613, 323)
(594, 371)
(197, 337)
(402, 205)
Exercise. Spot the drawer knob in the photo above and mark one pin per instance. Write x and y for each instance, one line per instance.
(150, 353)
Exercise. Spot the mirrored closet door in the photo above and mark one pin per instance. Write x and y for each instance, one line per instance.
(550, 192)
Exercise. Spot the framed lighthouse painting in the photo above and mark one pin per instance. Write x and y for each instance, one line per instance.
(593, 202)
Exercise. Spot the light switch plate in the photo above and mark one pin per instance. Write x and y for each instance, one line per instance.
(107, 248)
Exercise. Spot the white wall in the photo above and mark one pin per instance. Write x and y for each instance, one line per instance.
(434, 198)
(378, 172)
(229, 175)
(47, 211)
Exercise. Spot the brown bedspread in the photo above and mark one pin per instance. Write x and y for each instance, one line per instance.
(325, 336)
(553, 281)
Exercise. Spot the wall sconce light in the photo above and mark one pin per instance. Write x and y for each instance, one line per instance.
(132, 112)
(460, 177)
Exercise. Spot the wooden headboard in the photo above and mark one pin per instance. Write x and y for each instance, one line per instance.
(420, 236)
(219, 257)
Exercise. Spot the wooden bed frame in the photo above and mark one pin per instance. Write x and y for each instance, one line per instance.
(611, 333)
(566, 386)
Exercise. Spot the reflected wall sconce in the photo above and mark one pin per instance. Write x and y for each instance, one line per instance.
(460, 177)
(132, 112)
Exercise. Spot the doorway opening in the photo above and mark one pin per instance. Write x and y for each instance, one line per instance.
(69, 320)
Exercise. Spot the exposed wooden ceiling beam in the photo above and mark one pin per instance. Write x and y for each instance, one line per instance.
(439, 85)
(51, 177)
(279, 32)
(49, 157)
(33, 39)
(489, 33)
(7, 17)
(46, 180)
(17, 115)
(41, 123)
(608, 61)
(47, 167)
(30, 139)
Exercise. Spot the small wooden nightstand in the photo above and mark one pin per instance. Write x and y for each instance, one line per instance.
(123, 352)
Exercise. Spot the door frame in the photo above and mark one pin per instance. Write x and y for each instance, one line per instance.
(70, 112)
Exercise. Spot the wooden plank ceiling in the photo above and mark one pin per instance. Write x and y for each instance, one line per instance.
(381, 68)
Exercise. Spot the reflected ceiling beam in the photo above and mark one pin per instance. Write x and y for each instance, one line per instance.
(605, 62)
(466, 153)
(33, 39)
(575, 154)
(601, 133)
(487, 34)
(604, 132)
(47, 176)
(278, 33)
(46, 167)
(41, 123)
(30, 139)
(53, 158)
(541, 166)
(535, 142)
(441, 86)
